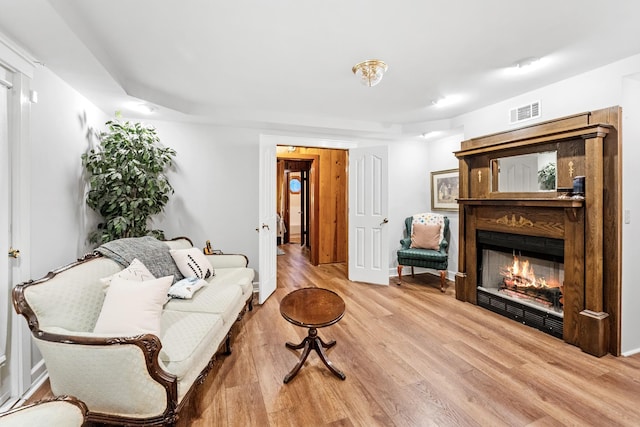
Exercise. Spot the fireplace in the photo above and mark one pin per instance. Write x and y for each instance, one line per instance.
(572, 244)
(522, 277)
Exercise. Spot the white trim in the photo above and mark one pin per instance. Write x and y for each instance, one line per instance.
(10, 404)
(15, 58)
(35, 386)
(20, 137)
(631, 352)
(297, 141)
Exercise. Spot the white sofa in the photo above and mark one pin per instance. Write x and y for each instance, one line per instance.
(134, 380)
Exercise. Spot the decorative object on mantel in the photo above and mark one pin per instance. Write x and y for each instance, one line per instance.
(578, 187)
(127, 181)
(370, 72)
(445, 187)
(208, 250)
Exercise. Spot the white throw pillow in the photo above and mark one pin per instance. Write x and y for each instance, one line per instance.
(135, 271)
(192, 263)
(185, 288)
(133, 307)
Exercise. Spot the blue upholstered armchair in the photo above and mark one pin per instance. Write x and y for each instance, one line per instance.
(428, 258)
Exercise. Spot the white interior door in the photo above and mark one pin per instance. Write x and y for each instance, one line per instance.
(368, 210)
(6, 368)
(267, 219)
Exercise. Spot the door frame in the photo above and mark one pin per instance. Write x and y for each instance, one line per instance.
(26, 374)
(314, 209)
(275, 140)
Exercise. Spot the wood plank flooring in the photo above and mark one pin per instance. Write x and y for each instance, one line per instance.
(413, 357)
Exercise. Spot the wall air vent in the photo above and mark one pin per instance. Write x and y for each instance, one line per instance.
(526, 112)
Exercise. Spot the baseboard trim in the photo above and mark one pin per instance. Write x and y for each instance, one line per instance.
(393, 272)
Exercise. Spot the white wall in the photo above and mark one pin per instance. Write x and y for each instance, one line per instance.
(441, 157)
(216, 186)
(630, 203)
(60, 219)
(408, 190)
(599, 88)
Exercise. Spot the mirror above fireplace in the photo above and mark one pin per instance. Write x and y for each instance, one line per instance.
(525, 173)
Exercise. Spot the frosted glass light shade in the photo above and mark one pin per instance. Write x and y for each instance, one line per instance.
(370, 72)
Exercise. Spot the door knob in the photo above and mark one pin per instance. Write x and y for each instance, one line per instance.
(265, 226)
(14, 253)
(384, 221)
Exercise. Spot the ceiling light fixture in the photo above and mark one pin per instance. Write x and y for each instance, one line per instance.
(370, 72)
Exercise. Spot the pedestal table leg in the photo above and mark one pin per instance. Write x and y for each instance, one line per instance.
(312, 341)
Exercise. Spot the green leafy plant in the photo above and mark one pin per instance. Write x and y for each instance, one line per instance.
(127, 181)
(547, 177)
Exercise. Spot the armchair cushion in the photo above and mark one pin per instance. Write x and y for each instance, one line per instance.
(433, 219)
(421, 254)
(425, 236)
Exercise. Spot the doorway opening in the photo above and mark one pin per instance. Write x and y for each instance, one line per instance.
(296, 200)
(312, 200)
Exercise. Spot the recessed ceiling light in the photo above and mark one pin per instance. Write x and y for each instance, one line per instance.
(526, 62)
(142, 107)
(446, 101)
(526, 65)
(431, 134)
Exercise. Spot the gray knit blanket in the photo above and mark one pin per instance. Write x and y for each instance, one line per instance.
(153, 253)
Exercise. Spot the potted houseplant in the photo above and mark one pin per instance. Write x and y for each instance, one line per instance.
(127, 181)
(547, 177)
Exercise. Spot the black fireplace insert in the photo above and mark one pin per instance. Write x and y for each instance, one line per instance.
(521, 277)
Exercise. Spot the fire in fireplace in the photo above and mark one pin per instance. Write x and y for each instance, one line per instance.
(518, 280)
(522, 277)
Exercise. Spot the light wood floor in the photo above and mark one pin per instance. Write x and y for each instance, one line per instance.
(413, 357)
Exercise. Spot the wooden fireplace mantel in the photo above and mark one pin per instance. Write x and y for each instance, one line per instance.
(524, 201)
(588, 145)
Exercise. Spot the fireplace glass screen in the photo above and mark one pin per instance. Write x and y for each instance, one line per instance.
(526, 279)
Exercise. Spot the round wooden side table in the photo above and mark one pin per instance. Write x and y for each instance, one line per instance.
(312, 308)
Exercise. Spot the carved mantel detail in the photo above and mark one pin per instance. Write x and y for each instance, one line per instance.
(512, 222)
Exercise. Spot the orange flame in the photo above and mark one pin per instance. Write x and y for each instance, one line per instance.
(521, 273)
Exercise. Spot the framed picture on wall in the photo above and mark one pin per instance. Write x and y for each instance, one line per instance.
(445, 186)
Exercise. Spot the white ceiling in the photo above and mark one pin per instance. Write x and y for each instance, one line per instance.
(286, 64)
